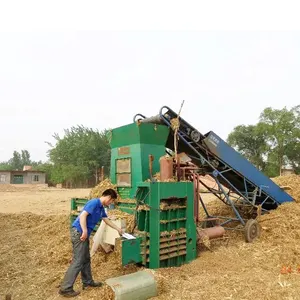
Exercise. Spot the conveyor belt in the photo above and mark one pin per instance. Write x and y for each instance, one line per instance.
(215, 157)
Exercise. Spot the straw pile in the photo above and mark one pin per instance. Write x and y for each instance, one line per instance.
(118, 214)
(97, 191)
(265, 269)
(291, 183)
(36, 251)
(35, 254)
(156, 177)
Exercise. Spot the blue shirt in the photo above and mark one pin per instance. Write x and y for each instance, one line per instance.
(95, 211)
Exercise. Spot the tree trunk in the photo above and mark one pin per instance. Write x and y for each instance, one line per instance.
(102, 173)
(280, 162)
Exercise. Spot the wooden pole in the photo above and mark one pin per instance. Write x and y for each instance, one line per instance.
(177, 163)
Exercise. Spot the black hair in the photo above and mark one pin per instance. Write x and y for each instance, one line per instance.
(110, 192)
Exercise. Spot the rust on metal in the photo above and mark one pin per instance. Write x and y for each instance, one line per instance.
(123, 151)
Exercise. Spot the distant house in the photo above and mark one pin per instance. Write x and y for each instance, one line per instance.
(287, 171)
(22, 177)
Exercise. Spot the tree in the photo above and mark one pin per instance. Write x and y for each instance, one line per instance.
(25, 158)
(5, 166)
(281, 130)
(45, 167)
(16, 161)
(79, 154)
(272, 143)
(250, 142)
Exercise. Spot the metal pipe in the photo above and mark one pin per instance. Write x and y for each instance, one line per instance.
(196, 197)
(138, 115)
(211, 232)
(151, 158)
(154, 119)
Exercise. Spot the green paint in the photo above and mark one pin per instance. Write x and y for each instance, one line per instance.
(131, 251)
(155, 247)
(155, 221)
(141, 141)
(18, 179)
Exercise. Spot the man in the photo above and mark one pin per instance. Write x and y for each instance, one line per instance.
(82, 227)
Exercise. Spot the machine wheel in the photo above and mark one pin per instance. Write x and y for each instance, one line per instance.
(195, 136)
(252, 230)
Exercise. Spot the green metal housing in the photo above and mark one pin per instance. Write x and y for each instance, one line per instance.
(164, 211)
(165, 220)
(131, 146)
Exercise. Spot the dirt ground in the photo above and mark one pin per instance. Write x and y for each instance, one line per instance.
(35, 252)
(44, 201)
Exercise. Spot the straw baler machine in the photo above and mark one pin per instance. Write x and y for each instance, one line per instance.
(167, 210)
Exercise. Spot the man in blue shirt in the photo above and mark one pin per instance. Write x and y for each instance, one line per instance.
(82, 227)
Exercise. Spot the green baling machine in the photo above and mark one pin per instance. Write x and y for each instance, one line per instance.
(165, 228)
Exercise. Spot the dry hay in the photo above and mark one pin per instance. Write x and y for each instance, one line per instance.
(202, 238)
(216, 208)
(175, 124)
(35, 254)
(291, 183)
(118, 214)
(268, 268)
(156, 178)
(97, 191)
(164, 205)
(108, 292)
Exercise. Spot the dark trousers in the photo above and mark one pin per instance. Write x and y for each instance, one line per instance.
(81, 262)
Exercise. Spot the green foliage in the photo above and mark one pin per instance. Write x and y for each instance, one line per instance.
(280, 127)
(250, 142)
(79, 154)
(45, 167)
(273, 142)
(25, 158)
(18, 161)
(75, 157)
(5, 166)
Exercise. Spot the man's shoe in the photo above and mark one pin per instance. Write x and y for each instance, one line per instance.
(68, 294)
(91, 284)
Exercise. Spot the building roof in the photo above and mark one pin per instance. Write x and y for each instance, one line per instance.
(21, 171)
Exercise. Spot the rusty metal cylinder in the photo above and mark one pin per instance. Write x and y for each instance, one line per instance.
(212, 232)
(166, 168)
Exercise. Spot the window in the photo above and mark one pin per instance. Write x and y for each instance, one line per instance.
(123, 172)
(2, 178)
(35, 178)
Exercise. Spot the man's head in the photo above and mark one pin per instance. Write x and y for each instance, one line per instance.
(108, 197)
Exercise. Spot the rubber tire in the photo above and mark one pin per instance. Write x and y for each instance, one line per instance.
(252, 230)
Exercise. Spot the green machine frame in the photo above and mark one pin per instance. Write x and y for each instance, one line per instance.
(164, 211)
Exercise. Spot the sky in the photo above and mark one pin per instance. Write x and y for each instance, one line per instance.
(50, 81)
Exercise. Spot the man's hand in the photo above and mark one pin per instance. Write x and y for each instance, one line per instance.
(84, 236)
(121, 231)
(112, 225)
(82, 220)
